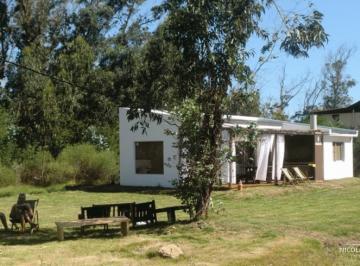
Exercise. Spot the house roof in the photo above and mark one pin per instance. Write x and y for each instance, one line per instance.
(265, 124)
(272, 125)
(355, 107)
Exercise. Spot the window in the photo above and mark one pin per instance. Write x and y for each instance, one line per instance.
(338, 151)
(149, 157)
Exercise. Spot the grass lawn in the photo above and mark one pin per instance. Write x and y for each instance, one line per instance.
(292, 225)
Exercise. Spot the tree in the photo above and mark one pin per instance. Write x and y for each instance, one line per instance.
(287, 92)
(72, 67)
(4, 36)
(332, 87)
(335, 84)
(34, 103)
(243, 102)
(188, 67)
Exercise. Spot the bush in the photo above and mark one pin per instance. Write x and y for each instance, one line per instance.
(43, 170)
(90, 166)
(7, 176)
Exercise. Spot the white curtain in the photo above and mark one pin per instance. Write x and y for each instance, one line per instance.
(278, 156)
(264, 147)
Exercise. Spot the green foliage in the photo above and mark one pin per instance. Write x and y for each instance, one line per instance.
(43, 170)
(82, 164)
(8, 176)
(90, 166)
(243, 102)
(73, 67)
(9, 152)
(193, 172)
(323, 121)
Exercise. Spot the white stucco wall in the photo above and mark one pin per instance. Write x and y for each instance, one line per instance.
(155, 132)
(337, 169)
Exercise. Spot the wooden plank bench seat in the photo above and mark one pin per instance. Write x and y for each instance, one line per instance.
(170, 211)
(122, 221)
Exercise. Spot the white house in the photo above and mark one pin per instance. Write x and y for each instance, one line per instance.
(150, 159)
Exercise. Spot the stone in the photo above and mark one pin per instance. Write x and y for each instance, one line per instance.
(170, 251)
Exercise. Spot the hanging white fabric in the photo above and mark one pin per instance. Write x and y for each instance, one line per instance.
(264, 147)
(278, 156)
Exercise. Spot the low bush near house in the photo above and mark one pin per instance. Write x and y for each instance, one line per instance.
(90, 166)
(43, 170)
(7, 176)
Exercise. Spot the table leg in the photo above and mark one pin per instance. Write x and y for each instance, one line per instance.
(171, 216)
(60, 233)
(125, 228)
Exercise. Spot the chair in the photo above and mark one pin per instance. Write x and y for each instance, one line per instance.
(288, 176)
(126, 209)
(144, 213)
(300, 174)
(35, 219)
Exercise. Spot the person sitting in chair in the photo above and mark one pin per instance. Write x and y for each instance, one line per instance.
(22, 211)
(3, 220)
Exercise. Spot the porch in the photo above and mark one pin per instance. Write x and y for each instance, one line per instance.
(298, 150)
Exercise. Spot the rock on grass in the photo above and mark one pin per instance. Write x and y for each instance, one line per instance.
(170, 251)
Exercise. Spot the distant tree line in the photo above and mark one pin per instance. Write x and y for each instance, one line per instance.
(66, 65)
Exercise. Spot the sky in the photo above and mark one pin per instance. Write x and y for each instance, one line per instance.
(341, 21)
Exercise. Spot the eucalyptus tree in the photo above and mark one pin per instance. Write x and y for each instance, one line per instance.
(199, 49)
(335, 84)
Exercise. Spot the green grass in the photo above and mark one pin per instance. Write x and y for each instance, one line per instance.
(291, 225)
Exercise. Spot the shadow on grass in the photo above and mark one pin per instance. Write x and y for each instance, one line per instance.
(118, 188)
(49, 234)
(160, 228)
(18, 238)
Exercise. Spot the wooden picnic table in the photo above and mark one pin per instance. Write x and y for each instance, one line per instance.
(121, 220)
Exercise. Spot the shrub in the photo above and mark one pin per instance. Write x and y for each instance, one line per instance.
(90, 166)
(7, 176)
(43, 170)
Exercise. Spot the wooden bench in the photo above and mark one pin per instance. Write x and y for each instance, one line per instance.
(137, 212)
(122, 221)
(170, 211)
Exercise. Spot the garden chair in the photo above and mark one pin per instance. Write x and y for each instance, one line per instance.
(144, 213)
(288, 176)
(35, 219)
(300, 174)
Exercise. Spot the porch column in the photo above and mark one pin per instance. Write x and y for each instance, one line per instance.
(232, 165)
(276, 161)
(319, 157)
